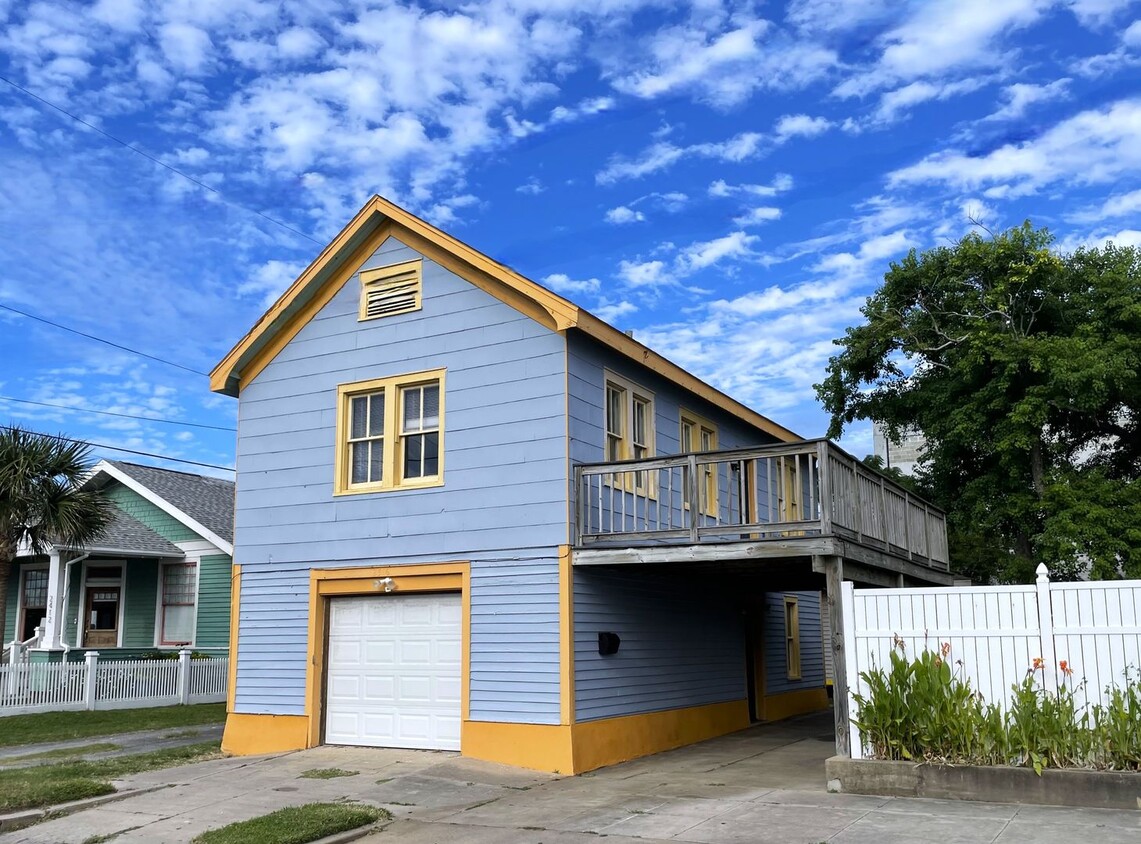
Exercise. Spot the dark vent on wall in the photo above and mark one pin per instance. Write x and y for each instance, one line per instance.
(390, 290)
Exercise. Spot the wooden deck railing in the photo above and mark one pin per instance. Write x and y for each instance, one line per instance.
(764, 493)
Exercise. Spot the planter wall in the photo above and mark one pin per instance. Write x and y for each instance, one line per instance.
(1056, 787)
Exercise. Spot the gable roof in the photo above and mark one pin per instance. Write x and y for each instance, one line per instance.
(127, 535)
(203, 504)
(379, 219)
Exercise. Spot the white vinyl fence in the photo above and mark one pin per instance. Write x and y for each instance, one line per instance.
(997, 632)
(121, 684)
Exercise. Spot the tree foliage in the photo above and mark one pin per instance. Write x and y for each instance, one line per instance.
(42, 500)
(1022, 368)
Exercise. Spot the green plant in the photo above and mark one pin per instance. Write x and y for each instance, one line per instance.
(918, 709)
(326, 773)
(296, 824)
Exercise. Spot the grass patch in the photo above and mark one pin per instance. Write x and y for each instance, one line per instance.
(60, 753)
(64, 726)
(47, 785)
(296, 825)
(326, 773)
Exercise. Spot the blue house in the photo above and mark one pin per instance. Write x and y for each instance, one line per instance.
(473, 516)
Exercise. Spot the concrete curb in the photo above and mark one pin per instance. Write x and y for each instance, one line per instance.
(353, 834)
(992, 784)
(28, 817)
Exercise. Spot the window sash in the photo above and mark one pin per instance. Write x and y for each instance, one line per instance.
(792, 637)
(35, 595)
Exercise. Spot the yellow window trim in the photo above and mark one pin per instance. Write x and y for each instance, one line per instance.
(391, 469)
(792, 637)
(630, 392)
(699, 424)
(392, 276)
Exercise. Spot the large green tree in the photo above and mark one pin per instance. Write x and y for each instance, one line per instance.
(1022, 368)
(42, 500)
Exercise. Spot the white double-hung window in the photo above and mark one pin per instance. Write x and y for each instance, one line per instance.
(179, 596)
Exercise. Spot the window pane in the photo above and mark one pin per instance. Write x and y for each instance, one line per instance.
(639, 421)
(613, 448)
(413, 463)
(178, 584)
(614, 411)
(360, 416)
(376, 461)
(35, 589)
(359, 473)
(706, 439)
(431, 455)
(178, 625)
(431, 406)
(686, 436)
(376, 414)
(412, 397)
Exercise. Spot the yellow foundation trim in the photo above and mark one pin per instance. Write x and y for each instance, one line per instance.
(235, 610)
(777, 707)
(247, 735)
(566, 636)
(357, 580)
(599, 743)
(540, 747)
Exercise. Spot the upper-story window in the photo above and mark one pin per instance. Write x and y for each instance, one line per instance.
(629, 420)
(390, 433)
(698, 434)
(387, 291)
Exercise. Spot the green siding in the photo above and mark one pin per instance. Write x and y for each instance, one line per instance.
(214, 602)
(10, 603)
(135, 505)
(140, 594)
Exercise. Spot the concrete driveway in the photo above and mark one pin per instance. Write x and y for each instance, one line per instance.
(762, 785)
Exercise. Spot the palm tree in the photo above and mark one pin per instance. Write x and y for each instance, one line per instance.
(42, 501)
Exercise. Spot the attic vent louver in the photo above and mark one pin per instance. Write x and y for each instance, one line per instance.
(388, 291)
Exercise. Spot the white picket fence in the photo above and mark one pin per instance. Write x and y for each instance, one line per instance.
(997, 632)
(119, 684)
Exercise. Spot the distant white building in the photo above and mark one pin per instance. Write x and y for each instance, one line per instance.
(903, 454)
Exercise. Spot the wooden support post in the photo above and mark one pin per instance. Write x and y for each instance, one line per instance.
(834, 577)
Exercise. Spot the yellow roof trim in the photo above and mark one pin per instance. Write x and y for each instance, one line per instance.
(278, 326)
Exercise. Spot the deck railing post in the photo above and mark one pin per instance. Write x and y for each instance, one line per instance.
(579, 506)
(857, 499)
(907, 523)
(695, 504)
(89, 684)
(825, 488)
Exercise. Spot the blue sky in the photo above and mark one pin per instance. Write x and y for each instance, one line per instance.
(728, 180)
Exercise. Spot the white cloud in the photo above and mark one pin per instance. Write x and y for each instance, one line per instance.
(622, 214)
(562, 283)
(532, 187)
(1097, 13)
(614, 312)
(1132, 35)
(1094, 146)
(644, 273)
(1020, 96)
(895, 104)
(800, 126)
(699, 256)
(837, 15)
(940, 38)
(1119, 205)
(659, 156)
(758, 216)
(781, 182)
(269, 280)
(187, 47)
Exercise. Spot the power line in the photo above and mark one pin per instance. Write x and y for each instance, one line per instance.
(121, 415)
(159, 162)
(62, 438)
(101, 340)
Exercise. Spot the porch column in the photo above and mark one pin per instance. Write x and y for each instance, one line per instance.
(834, 576)
(53, 613)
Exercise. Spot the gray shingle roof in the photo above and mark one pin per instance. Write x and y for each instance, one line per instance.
(209, 501)
(126, 533)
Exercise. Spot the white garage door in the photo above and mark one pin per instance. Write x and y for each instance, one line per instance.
(394, 671)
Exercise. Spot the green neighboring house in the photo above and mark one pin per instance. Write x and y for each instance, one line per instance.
(157, 579)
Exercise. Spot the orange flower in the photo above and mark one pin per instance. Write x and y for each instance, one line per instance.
(1065, 666)
(946, 649)
(1038, 663)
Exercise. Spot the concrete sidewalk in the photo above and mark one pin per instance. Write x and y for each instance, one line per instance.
(125, 744)
(762, 785)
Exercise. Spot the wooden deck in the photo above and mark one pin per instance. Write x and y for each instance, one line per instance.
(794, 500)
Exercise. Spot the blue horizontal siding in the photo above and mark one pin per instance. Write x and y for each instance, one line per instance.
(680, 646)
(811, 643)
(514, 639)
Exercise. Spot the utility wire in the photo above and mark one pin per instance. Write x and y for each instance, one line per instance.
(121, 415)
(129, 451)
(157, 161)
(101, 340)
